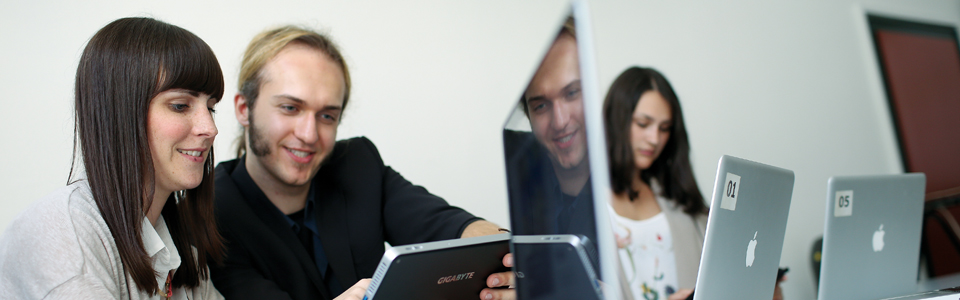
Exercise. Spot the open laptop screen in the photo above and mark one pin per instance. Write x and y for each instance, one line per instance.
(545, 144)
(552, 173)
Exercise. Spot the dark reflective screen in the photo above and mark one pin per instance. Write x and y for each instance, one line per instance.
(548, 172)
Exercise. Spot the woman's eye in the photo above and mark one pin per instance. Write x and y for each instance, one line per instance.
(212, 110)
(179, 107)
(642, 125)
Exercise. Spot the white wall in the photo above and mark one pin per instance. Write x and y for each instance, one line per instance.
(788, 84)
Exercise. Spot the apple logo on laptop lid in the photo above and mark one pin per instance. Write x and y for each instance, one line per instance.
(751, 249)
(878, 239)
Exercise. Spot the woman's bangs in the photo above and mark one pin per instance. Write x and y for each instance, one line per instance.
(191, 65)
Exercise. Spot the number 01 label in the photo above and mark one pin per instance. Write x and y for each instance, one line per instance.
(843, 204)
(731, 188)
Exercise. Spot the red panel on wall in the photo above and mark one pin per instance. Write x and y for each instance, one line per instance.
(923, 79)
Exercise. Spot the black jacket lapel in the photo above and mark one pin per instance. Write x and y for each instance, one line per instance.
(334, 231)
(267, 213)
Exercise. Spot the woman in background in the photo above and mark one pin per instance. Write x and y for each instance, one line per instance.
(660, 217)
(659, 214)
(137, 221)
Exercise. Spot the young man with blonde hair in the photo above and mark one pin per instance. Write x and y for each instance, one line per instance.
(305, 216)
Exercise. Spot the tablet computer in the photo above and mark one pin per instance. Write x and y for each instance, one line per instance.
(556, 267)
(451, 269)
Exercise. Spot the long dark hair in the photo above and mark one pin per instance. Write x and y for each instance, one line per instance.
(672, 168)
(125, 65)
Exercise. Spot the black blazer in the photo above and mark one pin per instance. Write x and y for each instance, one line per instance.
(360, 204)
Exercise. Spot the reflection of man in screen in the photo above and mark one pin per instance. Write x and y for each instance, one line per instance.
(554, 103)
(549, 170)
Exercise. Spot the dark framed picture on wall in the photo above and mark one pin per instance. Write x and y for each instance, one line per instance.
(920, 66)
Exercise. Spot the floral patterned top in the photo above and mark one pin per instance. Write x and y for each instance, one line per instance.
(646, 252)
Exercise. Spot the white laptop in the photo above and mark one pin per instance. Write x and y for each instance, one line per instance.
(745, 228)
(871, 239)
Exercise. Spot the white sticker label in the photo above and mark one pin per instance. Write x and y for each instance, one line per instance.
(843, 206)
(731, 188)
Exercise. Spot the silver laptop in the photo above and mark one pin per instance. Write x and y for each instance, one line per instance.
(745, 228)
(557, 174)
(944, 294)
(578, 281)
(871, 239)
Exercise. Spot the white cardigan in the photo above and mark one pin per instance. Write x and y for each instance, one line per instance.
(687, 233)
(61, 248)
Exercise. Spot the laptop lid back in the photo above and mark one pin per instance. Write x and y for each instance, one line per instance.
(745, 229)
(871, 242)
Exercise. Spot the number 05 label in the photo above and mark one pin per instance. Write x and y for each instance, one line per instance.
(843, 204)
(731, 188)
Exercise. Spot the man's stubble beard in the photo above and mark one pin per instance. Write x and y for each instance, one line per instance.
(258, 144)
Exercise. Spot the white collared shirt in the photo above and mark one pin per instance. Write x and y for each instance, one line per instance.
(159, 245)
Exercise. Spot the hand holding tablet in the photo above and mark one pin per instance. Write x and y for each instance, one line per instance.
(451, 269)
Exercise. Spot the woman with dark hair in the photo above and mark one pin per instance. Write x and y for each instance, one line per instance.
(659, 215)
(136, 222)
